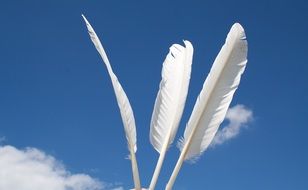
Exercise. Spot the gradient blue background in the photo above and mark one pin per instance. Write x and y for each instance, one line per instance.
(56, 95)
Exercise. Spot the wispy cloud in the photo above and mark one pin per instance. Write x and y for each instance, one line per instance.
(238, 117)
(32, 169)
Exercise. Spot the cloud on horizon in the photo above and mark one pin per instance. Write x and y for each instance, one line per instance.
(238, 117)
(32, 169)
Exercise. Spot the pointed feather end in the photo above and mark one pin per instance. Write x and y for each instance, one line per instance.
(188, 45)
(237, 31)
(89, 27)
(84, 18)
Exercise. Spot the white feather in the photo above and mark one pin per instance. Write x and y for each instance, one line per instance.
(124, 105)
(214, 99)
(216, 95)
(171, 97)
(123, 102)
(170, 101)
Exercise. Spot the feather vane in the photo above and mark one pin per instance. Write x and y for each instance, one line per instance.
(126, 111)
(216, 95)
(171, 97)
(170, 101)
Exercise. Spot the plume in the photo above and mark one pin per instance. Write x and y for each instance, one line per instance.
(214, 99)
(171, 97)
(123, 103)
(170, 100)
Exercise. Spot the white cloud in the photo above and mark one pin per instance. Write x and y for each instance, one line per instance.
(238, 117)
(32, 169)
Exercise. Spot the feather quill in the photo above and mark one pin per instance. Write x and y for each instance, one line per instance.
(214, 99)
(170, 101)
(123, 103)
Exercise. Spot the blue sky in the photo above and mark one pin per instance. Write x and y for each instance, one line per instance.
(56, 94)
